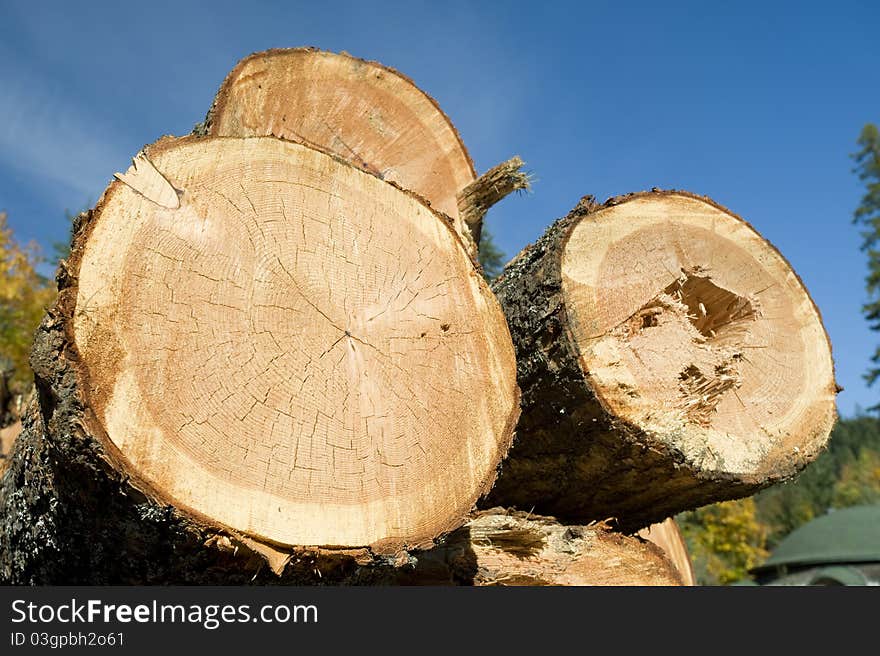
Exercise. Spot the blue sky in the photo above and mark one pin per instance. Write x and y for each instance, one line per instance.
(756, 104)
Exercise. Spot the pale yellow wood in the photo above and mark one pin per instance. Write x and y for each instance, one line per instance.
(693, 328)
(668, 537)
(299, 351)
(519, 549)
(145, 179)
(7, 440)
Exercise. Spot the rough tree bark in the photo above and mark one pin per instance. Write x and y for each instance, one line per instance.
(668, 357)
(255, 346)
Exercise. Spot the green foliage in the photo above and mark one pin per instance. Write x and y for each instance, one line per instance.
(24, 295)
(725, 540)
(859, 481)
(828, 482)
(491, 257)
(783, 508)
(867, 160)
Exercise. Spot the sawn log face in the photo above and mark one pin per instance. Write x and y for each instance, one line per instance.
(572, 457)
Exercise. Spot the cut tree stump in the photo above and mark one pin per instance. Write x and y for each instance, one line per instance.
(668, 357)
(255, 341)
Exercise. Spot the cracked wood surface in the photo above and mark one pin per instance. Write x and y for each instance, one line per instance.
(669, 357)
(363, 111)
(299, 351)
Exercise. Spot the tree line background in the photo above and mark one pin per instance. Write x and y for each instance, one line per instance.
(725, 539)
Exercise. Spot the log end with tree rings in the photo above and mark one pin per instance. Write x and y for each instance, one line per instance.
(277, 342)
(693, 328)
(669, 357)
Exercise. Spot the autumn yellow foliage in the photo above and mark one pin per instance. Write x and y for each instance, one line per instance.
(24, 295)
(859, 481)
(726, 540)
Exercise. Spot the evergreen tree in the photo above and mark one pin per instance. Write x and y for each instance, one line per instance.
(61, 249)
(491, 257)
(867, 160)
(829, 482)
(859, 481)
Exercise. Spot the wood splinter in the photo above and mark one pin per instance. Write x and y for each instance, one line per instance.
(148, 181)
(494, 185)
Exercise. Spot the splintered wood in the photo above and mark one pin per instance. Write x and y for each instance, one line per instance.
(296, 350)
(504, 548)
(669, 357)
(741, 338)
(487, 190)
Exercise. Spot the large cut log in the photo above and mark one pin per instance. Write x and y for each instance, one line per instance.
(370, 114)
(255, 339)
(668, 357)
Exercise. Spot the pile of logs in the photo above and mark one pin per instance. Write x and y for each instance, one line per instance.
(274, 358)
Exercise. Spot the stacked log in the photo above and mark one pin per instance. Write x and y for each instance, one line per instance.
(668, 357)
(273, 358)
(367, 113)
(501, 548)
(371, 115)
